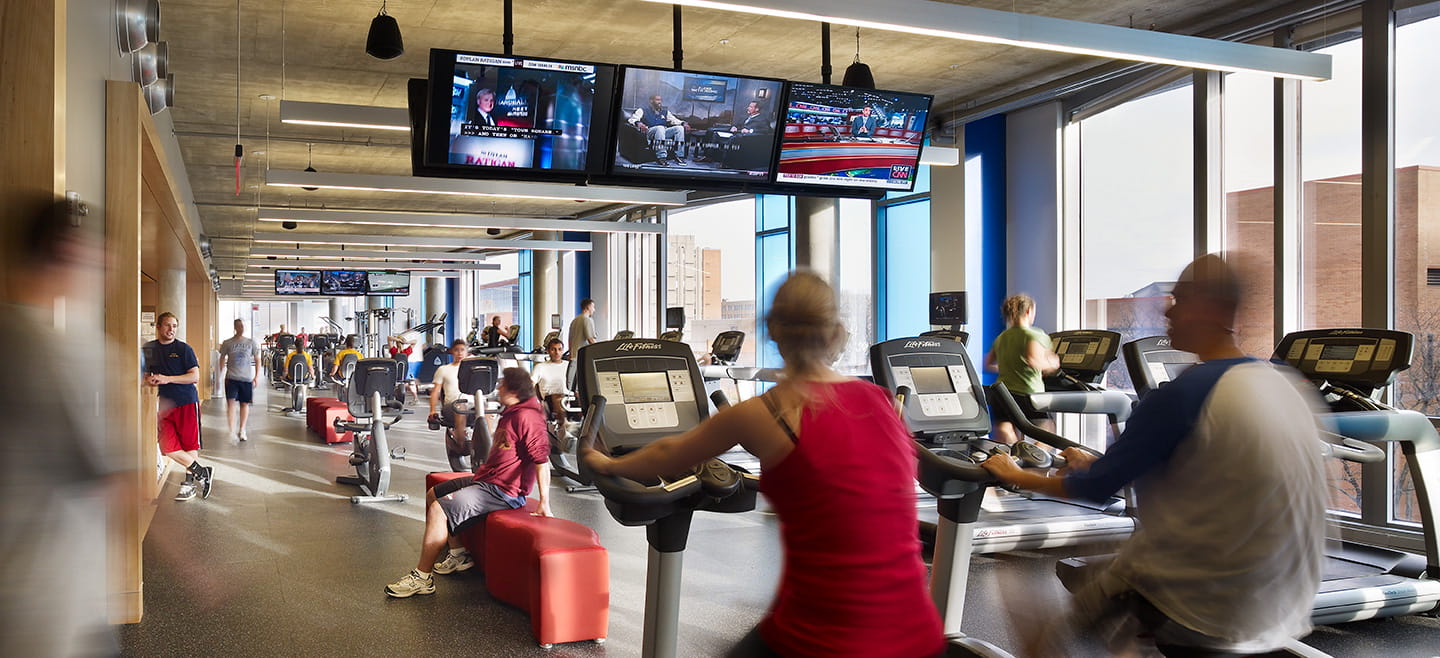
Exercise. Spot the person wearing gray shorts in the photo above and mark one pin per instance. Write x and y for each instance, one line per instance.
(519, 461)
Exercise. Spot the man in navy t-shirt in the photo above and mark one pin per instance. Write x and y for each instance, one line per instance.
(174, 371)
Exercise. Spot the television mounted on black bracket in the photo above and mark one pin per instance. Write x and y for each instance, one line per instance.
(391, 283)
(297, 282)
(693, 126)
(838, 137)
(521, 118)
(947, 308)
(343, 283)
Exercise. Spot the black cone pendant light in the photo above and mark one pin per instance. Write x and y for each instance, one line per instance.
(384, 41)
(858, 74)
(310, 166)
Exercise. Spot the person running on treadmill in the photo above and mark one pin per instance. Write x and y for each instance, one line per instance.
(445, 393)
(1231, 493)
(519, 460)
(838, 466)
(1020, 354)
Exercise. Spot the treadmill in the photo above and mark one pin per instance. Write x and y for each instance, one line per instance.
(1348, 366)
(938, 370)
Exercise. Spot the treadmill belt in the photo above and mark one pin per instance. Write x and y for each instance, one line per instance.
(1335, 569)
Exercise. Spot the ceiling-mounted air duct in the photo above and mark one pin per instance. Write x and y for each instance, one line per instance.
(137, 24)
(161, 95)
(151, 63)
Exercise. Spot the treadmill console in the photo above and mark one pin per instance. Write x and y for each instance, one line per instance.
(1085, 354)
(946, 394)
(1153, 362)
(1363, 359)
(725, 348)
(652, 389)
(371, 376)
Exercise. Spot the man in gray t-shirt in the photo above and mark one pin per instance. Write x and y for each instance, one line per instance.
(238, 356)
(582, 333)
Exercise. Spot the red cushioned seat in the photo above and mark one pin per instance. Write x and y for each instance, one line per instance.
(328, 416)
(312, 412)
(554, 569)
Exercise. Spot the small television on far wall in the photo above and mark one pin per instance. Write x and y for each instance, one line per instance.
(297, 282)
(342, 283)
(947, 308)
(387, 282)
(850, 137)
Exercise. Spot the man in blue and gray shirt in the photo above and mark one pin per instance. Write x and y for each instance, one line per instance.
(238, 356)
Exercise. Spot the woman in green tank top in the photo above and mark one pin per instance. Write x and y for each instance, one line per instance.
(1021, 355)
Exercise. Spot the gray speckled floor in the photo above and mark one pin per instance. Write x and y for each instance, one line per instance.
(279, 562)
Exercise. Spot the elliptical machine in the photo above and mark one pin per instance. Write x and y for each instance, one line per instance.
(641, 390)
(371, 402)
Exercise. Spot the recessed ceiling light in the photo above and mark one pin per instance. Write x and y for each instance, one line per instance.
(267, 97)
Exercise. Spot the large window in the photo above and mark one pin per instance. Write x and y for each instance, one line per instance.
(855, 285)
(497, 292)
(1249, 204)
(710, 272)
(905, 258)
(1135, 215)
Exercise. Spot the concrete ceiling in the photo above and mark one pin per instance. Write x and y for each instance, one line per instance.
(321, 58)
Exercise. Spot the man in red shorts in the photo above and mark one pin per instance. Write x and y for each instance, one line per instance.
(174, 371)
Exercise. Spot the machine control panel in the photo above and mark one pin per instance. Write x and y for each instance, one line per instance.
(946, 396)
(1363, 357)
(1086, 353)
(940, 391)
(648, 398)
(1153, 361)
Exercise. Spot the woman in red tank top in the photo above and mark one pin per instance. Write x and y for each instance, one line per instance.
(838, 467)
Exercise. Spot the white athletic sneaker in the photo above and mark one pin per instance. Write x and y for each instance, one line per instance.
(244, 436)
(453, 563)
(187, 491)
(413, 583)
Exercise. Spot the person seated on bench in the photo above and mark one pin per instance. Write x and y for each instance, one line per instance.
(519, 461)
(445, 393)
(550, 377)
(340, 357)
(300, 352)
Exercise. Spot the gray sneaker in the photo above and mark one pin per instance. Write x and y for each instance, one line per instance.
(413, 583)
(187, 491)
(453, 563)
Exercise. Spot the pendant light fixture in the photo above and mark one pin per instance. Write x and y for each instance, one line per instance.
(858, 74)
(384, 41)
(310, 165)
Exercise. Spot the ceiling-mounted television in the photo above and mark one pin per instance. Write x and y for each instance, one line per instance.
(387, 282)
(297, 282)
(501, 116)
(342, 283)
(848, 137)
(684, 124)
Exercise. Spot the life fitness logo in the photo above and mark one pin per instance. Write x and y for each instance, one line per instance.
(1163, 342)
(917, 344)
(631, 347)
(1347, 332)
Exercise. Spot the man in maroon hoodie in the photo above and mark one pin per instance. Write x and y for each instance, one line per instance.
(519, 458)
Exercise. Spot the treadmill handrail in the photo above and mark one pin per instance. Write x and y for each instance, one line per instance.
(1030, 429)
(1421, 445)
(624, 490)
(1115, 404)
(1350, 450)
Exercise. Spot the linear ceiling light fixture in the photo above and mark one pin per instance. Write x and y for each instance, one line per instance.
(951, 21)
(345, 116)
(264, 263)
(470, 187)
(940, 156)
(459, 256)
(450, 220)
(417, 241)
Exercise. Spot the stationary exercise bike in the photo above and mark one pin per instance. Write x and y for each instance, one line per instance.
(371, 402)
(477, 379)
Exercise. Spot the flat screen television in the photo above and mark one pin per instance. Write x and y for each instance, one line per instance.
(947, 308)
(297, 282)
(500, 116)
(683, 124)
(342, 282)
(848, 137)
(387, 282)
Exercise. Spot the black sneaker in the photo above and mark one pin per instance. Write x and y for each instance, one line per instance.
(205, 481)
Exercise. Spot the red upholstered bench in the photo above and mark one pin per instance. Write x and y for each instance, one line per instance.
(329, 412)
(554, 569)
(312, 413)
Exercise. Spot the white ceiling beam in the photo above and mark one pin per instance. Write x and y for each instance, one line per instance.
(473, 187)
(952, 21)
(325, 239)
(321, 215)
